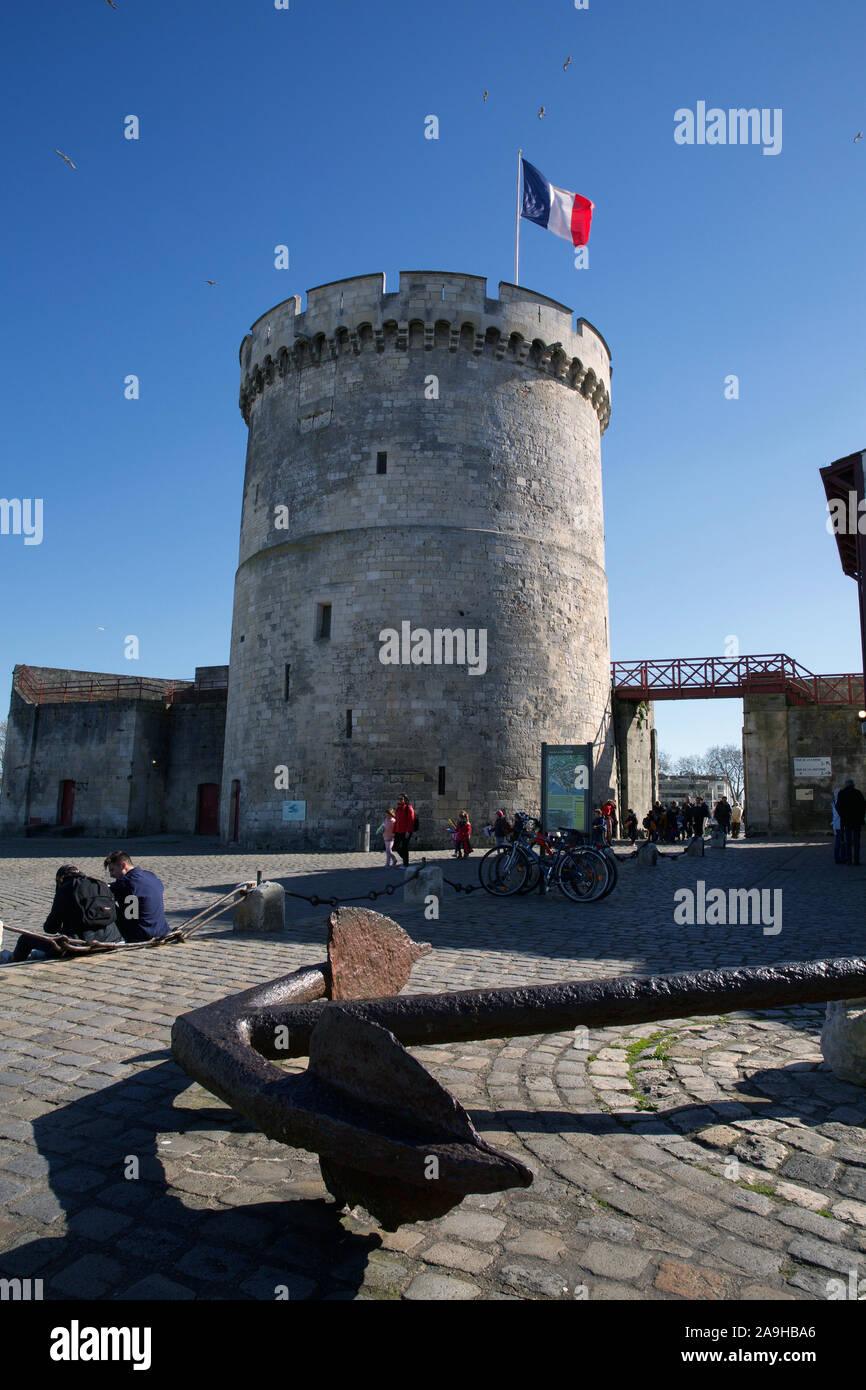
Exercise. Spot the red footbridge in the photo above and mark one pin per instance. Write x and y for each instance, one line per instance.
(715, 677)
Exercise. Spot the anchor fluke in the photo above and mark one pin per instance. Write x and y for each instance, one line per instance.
(434, 1155)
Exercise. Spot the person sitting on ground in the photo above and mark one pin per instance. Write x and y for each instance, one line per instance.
(80, 914)
(139, 897)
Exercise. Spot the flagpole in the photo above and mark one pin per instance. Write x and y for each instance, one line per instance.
(517, 226)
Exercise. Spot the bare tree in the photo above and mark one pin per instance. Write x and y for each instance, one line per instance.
(726, 760)
(693, 765)
(665, 763)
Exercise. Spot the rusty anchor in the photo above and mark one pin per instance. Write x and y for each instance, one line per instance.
(389, 1137)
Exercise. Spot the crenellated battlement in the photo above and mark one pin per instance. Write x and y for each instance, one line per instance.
(431, 311)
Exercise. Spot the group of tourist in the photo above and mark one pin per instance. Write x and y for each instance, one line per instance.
(661, 824)
(86, 910)
(681, 822)
(401, 823)
(667, 823)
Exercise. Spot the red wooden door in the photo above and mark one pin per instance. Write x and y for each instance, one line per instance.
(208, 818)
(236, 810)
(67, 801)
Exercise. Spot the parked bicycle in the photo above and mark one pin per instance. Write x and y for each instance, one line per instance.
(535, 861)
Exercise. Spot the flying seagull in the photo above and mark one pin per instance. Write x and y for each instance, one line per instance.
(542, 110)
(111, 3)
(567, 63)
(210, 282)
(858, 136)
(483, 96)
(65, 158)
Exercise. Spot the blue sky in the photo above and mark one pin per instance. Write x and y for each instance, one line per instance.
(306, 127)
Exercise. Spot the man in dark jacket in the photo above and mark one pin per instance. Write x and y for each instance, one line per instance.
(66, 919)
(139, 897)
(700, 813)
(722, 814)
(851, 806)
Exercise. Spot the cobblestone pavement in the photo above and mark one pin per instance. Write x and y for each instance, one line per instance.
(711, 1158)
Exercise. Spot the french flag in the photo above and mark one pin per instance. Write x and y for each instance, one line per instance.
(565, 214)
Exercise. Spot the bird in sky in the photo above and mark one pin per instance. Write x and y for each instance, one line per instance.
(111, 3)
(65, 158)
(567, 63)
(100, 629)
(483, 96)
(210, 282)
(542, 110)
(858, 136)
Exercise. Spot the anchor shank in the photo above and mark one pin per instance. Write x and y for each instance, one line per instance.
(471, 1015)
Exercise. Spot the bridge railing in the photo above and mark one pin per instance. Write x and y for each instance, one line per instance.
(34, 687)
(711, 676)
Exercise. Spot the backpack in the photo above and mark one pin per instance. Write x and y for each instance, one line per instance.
(95, 902)
(415, 824)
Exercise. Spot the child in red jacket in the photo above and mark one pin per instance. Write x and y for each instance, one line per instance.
(464, 830)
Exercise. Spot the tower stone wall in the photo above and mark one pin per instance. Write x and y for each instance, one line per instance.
(487, 517)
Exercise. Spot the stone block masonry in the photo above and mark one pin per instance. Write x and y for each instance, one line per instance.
(429, 456)
(130, 760)
(775, 733)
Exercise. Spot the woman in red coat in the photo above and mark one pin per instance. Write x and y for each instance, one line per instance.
(404, 824)
(464, 830)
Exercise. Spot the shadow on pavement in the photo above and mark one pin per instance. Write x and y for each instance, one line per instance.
(121, 1231)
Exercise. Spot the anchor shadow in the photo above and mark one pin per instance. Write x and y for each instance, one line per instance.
(122, 1229)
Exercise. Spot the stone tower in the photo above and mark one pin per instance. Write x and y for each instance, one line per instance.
(422, 460)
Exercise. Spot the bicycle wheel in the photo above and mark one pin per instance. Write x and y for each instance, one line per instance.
(504, 870)
(583, 875)
(613, 872)
(533, 877)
